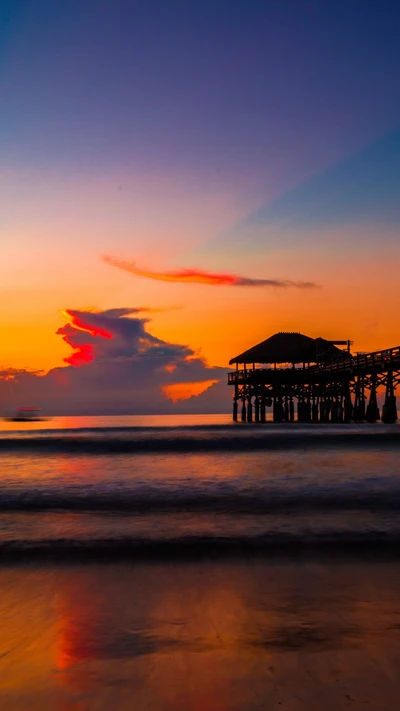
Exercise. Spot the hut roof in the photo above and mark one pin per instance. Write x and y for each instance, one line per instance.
(289, 348)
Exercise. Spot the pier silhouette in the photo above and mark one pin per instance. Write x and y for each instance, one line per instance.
(329, 384)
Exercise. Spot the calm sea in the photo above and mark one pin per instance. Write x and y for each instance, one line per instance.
(183, 483)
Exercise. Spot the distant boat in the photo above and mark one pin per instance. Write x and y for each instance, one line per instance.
(26, 414)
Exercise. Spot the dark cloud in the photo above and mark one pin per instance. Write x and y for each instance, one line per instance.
(116, 366)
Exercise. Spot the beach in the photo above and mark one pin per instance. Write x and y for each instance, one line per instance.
(240, 634)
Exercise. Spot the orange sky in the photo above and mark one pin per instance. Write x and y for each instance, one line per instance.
(358, 299)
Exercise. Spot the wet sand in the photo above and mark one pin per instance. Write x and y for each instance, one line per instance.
(216, 635)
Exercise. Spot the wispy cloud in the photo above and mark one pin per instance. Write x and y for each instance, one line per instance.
(198, 276)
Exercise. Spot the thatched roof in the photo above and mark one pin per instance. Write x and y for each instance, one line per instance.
(289, 348)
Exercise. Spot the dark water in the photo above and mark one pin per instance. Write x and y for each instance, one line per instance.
(190, 484)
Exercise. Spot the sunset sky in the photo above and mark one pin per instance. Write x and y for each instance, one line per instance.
(189, 178)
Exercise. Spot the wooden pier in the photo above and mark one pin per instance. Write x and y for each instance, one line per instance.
(327, 384)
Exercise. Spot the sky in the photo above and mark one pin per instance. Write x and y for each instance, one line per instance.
(191, 178)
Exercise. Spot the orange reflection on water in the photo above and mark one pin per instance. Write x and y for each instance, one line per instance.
(77, 621)
(207, 635)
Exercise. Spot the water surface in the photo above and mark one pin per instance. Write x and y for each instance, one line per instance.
(128, 483)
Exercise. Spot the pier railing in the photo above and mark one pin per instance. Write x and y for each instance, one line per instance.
(362, 362)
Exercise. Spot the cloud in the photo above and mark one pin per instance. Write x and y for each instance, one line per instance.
(117, 367)
(84, 328)
(79, 333)
(197, 276)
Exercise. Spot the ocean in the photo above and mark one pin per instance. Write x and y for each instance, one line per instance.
(190, 563)
(134, 484)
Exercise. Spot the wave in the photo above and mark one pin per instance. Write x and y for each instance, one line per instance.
(163, 500)
(374, 544)
(200, 440)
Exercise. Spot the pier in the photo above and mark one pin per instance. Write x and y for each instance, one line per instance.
(323, 382)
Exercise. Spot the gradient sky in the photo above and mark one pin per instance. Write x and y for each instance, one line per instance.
(254, 138)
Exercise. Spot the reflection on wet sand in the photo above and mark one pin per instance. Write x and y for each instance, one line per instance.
(208, 635)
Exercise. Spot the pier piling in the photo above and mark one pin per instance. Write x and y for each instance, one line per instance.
(389, 409)
(235, 411)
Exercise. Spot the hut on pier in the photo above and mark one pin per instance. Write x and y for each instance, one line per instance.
(286, 361)
(292, 348)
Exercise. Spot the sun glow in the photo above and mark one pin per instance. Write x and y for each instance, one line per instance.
(183, 391)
